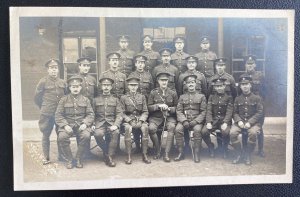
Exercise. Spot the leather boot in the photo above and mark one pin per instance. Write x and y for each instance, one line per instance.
(239, 157)
(78, 163)
(260, 140)
(68, 154)
(128, 148)
(248, 151)
(155, 142)
(197, 145)
(69, 165)
(81, 149)
(225, 147)
(166, 157)
(109, 162)
(145, 149)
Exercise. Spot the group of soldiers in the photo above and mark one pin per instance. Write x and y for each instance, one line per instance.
(152, 95)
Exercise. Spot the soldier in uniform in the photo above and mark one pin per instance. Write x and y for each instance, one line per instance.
(126, 55)
(48, 92)
(135, 117)
(178, 58)
(145, 86)
(206, 58)
(89, 84)
(219, 115)
(201, 84)
(230, 88)
(146, 81)
(153, 57)
(74, 116)
(258, 88)
(162, 104)
(167, 67)
(191, 110)
(118, 87)
(88, 87)
(108, 112)
(247, 115)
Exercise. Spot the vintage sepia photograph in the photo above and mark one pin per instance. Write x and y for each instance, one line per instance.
(151, 97)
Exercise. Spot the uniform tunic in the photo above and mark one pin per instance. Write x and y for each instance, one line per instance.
(89, 86)
(152, 61)
(146, 82)
(170, 69)
(201, 84)
(206, 63)
(126, 61)
(230, 87)
(178, 60)
(118, 87)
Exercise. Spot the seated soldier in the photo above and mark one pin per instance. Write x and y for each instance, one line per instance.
(108, 112)
(135, 116)
(162, 104)
(219, 115)
(247, 115)
(74, 116)
(191, 110)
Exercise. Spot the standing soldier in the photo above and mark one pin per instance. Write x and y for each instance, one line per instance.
(230, 89)
(219, 115)
(153, 57)
(258, 88)
(135, 117)
(48, 92)
(178, 58)
(118, 87)
(126, 55)
(191, 110)
(247, 115)
(201, 84)
(162, 104)
(145, 78)
(74, 116)
(167, 67)
(89, 85)
(206, 58)
(108, 112)
(145, 86)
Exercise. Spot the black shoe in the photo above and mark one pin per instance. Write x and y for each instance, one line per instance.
(179, 157)
(145, 159)
(69, 165)
(46, 161)
(79, 164)
(167, 158)
(109, 162)
(237, 160)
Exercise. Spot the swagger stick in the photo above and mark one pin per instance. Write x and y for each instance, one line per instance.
(161, 136)
(191, 138)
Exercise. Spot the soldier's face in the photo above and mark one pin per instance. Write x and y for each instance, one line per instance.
(166, 59)
(75, 89)
(106, 88)
(191, 65)
(191, 85)
(205, 46)
(246, 88)
(123, 44)
(113, 63)
(220, 88)
(140, 65)
(53, 70)
(220, 68)
(84, 68)
(179, 46)
(250, 67)
(133, 87)
(147, 44)
(163, 83)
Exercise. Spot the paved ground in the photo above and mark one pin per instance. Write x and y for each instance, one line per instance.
(94, 168)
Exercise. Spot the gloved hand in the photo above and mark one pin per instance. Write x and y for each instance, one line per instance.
(68, 129)
(113, 128)
(247, 125)
(82, 127)
(133, 123)
(224, 126)
(186, 124)
(241, 124)
(209, 125)
(193, 123)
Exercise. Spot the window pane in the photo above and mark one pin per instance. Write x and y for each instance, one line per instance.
(70, 50)
(89, 48)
